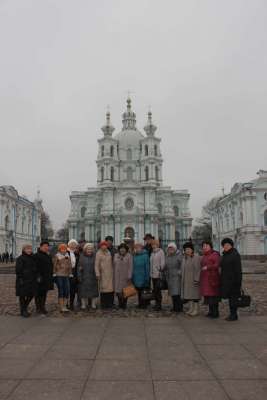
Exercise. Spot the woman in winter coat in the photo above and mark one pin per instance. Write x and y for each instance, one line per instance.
(87, 282)
(190, 279)
(174, 276)
(62, 273)
(231, 276)
(26, 279)
(141, 272)
(210, 278)
(123, 269)
(104, 274)
(157, 264)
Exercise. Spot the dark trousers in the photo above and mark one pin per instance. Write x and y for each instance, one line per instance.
(157, 291)
(24, 301)
(122, 301)
(74, 292)
(142, 303)
(106, 300)
(233, 306)
(177, 303)
(40, 301)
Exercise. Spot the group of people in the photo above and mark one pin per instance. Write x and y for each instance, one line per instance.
(84, 274)
(6, 257)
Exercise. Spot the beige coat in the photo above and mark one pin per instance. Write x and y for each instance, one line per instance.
(104, 271)
(190, 278)
(62, 265)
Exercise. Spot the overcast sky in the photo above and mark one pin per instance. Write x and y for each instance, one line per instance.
(200, 65)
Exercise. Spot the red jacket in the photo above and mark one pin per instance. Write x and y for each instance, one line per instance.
(210, 277)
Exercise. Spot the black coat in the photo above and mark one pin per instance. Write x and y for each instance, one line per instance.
(231, 274)
(44, 272)
(26, 275)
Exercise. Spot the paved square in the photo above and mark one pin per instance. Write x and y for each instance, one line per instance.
(135, 358)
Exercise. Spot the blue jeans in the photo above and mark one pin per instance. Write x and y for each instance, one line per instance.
(63, 285)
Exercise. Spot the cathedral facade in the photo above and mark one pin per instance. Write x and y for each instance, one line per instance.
(130, 198)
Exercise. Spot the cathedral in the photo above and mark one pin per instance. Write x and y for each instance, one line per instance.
(130, 198)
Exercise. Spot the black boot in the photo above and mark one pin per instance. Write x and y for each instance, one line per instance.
(215, 311)
(23, 308)
(209, 315)
(38, 304)
(42, 305)
(175, 304)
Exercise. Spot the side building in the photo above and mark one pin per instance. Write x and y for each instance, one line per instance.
(242, 215)
(130, 198)
(20, 221)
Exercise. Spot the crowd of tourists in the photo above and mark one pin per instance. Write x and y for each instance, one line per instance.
(6, 257)
(89, 277)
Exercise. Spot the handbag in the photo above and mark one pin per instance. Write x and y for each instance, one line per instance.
(147, 295)
(129, 291)
(244, 300)
(163, 283)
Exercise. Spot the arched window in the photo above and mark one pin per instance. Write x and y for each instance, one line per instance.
(241, 217)
(129, 154)
(6, 223)
(129, 174)
(102, 151)
(111, 151)
(83, 211)
(160, 208)
(112, 174)
(146, 174)
(157, 173)
(140, 148)
(102, 174)
(265, 217)
(176, 211)
(155, 150)
(146, 150)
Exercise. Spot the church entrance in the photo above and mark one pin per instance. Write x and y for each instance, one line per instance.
(129, 232)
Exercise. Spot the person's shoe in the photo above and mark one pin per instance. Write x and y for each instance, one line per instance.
(195, 311)
(190, 309)
(231, 318)
(25, 314)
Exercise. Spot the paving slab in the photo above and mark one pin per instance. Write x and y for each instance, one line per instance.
(23, 351)
(77, 352)
(15, 368)
(61, 369)
(224, 352)
(113, 390)
(238, 369)
(246, 389)
(175, 370)
(189, 391)
(6, 387)
(122, 351)
(48, 389)
(120, 370)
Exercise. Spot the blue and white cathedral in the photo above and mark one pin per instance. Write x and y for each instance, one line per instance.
(130, 198)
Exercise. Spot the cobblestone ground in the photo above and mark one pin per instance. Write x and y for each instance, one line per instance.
(255, 285)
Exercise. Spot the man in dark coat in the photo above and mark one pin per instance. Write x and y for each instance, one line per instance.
(231, 276)
(111, 248)
(148, 240)
(44, 276)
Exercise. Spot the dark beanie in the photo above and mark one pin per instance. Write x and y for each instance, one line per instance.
(188, 245)
(209, 242)
(227, 240)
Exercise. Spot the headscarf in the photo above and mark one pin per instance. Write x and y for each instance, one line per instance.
(88, 246)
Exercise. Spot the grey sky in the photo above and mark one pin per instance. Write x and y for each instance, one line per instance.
(201, 65)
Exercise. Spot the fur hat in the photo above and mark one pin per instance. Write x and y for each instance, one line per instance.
(188, 245)
(123, 245)
(88, 246)
(172, 245)
(73, 241)
(227, 240)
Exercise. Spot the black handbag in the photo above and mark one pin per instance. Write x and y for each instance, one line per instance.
(244, 300)
(147, 295)
(163, 283)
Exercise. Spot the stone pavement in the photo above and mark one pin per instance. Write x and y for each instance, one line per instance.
(174, 358)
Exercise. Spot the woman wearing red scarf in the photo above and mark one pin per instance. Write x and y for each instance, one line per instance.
(210, 278)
